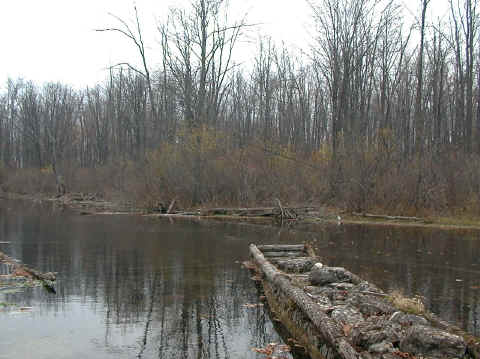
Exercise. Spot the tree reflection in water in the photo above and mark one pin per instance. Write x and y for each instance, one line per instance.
(163, 290)
(131, 286)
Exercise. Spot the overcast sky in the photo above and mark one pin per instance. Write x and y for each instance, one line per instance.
(54, 40)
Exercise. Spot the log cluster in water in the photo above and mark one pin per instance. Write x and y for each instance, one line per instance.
(336, 314)
(12, 270)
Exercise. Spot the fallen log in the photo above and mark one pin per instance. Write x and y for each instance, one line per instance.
(283, 254)
(391, 218)
(295, 265)
(257, 212)
(254, 211)
(281, 247)
(186, 215)
(328, 329)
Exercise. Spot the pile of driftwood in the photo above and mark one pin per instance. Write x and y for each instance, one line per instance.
(336, 314)
(280, 213)
(15, 269)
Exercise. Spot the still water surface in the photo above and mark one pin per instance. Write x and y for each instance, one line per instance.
(134, 287)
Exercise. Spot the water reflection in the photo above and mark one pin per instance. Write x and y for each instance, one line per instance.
(137, 287)
(132, 287)
(441, 266)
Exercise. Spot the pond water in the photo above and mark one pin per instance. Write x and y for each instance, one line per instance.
(131, 286)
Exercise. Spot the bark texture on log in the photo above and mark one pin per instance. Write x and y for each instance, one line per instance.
(281, 247)
(296, 265)
(283, 254)
(431, 342)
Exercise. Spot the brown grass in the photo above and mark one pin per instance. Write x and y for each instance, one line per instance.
(408, 305)
(204, 169)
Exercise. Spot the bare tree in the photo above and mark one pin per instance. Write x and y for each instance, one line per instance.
(136, 37)
(465, 24)
(58, 113)
(199, 49)
(419, 114)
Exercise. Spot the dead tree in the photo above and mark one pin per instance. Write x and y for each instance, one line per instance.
(136, 37)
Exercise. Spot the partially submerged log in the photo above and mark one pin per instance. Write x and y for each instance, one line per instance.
(336, 314)
(328, 329)
(282, 254)
(18, 269)
(280, 214)
(387, 217)
(255, 212)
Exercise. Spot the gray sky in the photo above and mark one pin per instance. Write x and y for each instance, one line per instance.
(53, 40)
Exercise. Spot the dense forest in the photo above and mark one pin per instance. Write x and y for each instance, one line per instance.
(377, 114)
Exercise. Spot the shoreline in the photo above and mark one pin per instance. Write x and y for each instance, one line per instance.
(88, 204)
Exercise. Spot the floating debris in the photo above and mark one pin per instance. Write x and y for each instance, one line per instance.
(15, 276)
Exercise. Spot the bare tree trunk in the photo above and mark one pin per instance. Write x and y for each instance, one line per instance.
(419, 112)
(470, 29)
